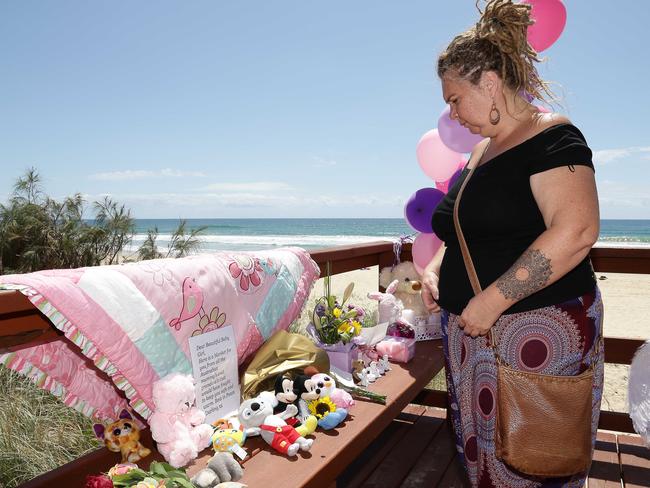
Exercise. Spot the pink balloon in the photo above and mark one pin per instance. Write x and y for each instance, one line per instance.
(542, 109)
(424, 248)
(443, 186)
(455, 136)
(436, 160)
(550, 19)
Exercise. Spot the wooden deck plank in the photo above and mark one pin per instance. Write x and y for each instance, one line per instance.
(455, 476)
(435, 460)
(605, 470)
(363, 466)
(405, 454)
(635, 461)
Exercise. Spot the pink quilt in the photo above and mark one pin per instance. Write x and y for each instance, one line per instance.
(128, 325)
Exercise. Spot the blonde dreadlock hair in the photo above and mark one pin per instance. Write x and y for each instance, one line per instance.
(497, 43)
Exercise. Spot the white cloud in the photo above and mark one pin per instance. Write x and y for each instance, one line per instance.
(254, 186)
(607, 156)
(139, 174)
(281, 200)
(323, 163)
(618, 194)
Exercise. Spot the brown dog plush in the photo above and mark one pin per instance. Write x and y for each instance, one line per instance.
(122, 436)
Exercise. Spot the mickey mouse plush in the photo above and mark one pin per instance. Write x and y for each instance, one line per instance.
(306, 390)
(284, 393)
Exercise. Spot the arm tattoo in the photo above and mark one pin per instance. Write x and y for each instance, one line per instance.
(529, 274)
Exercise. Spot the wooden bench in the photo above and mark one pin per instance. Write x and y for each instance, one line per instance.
(331, 453)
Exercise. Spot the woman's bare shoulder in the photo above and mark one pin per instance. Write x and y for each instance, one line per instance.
(546, 120)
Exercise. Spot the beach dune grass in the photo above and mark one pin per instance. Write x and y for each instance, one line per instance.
(38, 432)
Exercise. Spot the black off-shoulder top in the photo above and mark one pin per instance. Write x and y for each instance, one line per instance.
(500, 220)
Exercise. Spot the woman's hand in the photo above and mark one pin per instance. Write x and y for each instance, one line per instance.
(429, 291)
(479, 315)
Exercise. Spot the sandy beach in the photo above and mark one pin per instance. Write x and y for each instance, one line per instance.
(626, 299)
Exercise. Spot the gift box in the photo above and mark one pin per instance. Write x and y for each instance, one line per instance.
(427, 328)
(398, 349)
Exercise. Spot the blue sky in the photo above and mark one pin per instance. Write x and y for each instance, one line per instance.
(282, 109)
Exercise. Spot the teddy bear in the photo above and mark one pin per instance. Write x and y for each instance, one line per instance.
(257, 418)
(122, 436)
(176, 425)
(408, 287)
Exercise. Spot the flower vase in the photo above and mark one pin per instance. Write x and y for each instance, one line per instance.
(341, 355)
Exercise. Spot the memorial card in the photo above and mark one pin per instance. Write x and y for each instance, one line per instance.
(214, 367)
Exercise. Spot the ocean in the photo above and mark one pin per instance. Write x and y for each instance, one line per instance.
(256, 234)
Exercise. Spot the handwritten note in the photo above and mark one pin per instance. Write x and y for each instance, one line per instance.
(214, 367)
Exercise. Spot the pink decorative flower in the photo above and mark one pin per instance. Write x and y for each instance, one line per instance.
(247, 271)
(98, 481)
(121, 469)
(210, 322)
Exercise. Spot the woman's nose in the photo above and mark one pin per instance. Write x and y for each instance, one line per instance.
(453, 115)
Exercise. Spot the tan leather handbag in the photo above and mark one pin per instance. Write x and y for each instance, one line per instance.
(543, 422)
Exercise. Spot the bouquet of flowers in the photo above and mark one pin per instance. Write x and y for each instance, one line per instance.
(160, 475)
(336, 322)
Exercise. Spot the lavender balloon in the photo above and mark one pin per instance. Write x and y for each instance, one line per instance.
(420, 207)
(455, 136)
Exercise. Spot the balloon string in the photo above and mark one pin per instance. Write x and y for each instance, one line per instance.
(397, 247)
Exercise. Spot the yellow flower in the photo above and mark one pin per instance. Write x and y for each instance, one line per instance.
(351, 327)
(337, 312)
(357, 327)
(321, 407)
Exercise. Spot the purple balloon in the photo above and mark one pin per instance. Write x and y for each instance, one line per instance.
(420, 207)
(455, 136)
(454, 177)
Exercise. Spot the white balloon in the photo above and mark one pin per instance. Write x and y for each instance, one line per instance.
(639, 392)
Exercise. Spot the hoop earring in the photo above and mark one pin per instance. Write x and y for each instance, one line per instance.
(495, 115)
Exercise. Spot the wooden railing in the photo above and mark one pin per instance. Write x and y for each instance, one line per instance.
(615, 260)
(21, 324)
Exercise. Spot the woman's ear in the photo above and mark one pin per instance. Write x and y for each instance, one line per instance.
(490, 83)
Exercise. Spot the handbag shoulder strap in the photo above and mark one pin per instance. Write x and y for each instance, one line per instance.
(467, 258)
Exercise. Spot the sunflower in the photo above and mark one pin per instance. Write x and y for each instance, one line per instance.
(321, 407)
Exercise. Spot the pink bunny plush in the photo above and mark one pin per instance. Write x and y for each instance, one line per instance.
(390, 307)
(176, 425)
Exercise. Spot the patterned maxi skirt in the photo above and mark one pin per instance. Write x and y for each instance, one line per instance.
(557, 339)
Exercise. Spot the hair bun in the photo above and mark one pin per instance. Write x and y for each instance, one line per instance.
(505, 25)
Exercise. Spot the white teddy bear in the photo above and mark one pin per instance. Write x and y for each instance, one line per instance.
(408, 286)
(257, 418)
